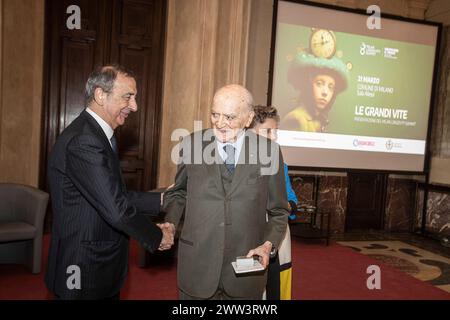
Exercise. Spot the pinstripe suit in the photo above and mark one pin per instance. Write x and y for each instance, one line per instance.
(93, 214)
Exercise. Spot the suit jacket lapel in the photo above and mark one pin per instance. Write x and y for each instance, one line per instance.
(98, 130)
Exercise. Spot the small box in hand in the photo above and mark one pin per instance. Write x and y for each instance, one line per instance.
(244, 261)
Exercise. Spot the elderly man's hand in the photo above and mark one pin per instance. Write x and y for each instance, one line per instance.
(263, 251)
(168, 230)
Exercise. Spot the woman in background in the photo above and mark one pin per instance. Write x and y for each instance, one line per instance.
(279, 277)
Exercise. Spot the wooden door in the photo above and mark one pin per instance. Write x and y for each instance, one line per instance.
(129, 32)
(365, 201)
(137, 40)
(70, 57)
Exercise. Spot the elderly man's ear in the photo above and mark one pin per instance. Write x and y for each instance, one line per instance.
(250, 119)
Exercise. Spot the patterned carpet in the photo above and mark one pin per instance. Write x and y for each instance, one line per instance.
(421, 264)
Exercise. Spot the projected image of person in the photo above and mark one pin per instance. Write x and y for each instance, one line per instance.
(320, 77)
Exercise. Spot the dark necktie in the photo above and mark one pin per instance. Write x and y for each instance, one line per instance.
(114, 145)
(229, 161)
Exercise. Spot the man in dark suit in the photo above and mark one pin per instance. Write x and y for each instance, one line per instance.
(233, 204)
(93, 213)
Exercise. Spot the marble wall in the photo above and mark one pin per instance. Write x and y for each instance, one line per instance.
(418, 214)
(400, 205)
(438, 213)
(404, 200)
(333, 200)
(404, 203)
(438, 204)
(440, 141)
(331, 196)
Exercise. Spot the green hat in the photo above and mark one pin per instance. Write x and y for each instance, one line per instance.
(305, 64)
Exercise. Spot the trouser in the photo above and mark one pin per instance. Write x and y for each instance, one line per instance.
(273, 279)
(220, 294)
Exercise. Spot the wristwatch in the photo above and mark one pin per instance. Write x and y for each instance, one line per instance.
(273, 252)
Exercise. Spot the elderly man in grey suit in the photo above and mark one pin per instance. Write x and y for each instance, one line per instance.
(231, 189)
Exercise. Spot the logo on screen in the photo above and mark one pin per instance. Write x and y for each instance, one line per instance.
(362, 49)
(389, 144)
(358, 143)
(390, 53)
(368, 50)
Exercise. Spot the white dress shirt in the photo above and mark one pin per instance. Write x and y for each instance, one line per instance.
(109, 132)
(236, 144)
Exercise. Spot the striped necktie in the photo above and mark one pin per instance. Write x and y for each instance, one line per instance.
(229, 161)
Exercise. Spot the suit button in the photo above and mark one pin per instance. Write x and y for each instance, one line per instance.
(221, 224)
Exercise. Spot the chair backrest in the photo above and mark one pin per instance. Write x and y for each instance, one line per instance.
(23, 203)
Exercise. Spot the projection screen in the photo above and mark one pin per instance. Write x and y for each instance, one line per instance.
(350, 96)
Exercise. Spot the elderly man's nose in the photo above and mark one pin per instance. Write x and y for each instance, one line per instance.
(221, 121)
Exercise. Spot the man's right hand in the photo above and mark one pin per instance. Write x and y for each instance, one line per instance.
(168, 230)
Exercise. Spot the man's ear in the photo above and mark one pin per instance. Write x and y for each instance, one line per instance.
(250, 119)
(99, 96)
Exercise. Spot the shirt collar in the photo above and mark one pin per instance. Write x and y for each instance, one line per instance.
(236, 144)
(109, 132)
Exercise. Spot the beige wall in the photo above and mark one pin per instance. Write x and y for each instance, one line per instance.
(22, 42)
(187, 83)
(206, 48)
(405, 8)
(439, 11)
(260, 35)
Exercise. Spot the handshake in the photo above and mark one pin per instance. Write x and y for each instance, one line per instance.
(167, 241)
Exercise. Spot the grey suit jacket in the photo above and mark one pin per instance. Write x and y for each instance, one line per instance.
(220, 226)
